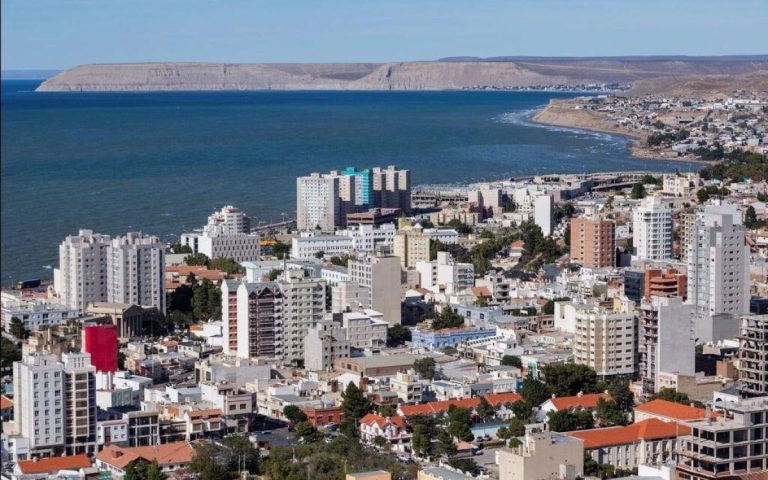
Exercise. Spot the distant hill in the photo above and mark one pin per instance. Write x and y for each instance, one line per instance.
(447, 74)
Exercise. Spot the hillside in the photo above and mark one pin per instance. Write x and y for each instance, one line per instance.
(440, 75)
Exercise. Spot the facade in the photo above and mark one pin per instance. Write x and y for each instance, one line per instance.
(661, 283)
(593, 242)
(410, 246)
(136, 271)
(680, 184)
(449, 337)
(542, 213)
(367, 238)
(447, 236)
(391, 188)
(753, 355)
(310, 246)
(241, 247)
(303, 306)
(100, 341)
(544, 455)
(349, 295)
(374, 216)
(231, 220)
(324, 343)
(130, 320)
(365, 329)
(229, 290)
(79, 403)
(666, 340)
(445, 274)
(82, 274)
(731, 447)
(392, 429)
(317, 202)
(606, 340)
(34, 314)
(380, 275)
(718, 272)
(259, 320)
(407, 386)
(652, 229)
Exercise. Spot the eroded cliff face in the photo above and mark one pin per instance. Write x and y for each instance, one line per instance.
(373, 76)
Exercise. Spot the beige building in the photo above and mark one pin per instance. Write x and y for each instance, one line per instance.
(325, 342)
(303, 306)
(606, 340)
(543, 456)
(593, 242)
(407, 386)
(381, 276)
(411, 246)
(372, 475)
(348, 295)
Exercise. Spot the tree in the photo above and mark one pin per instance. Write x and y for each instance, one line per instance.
(206, 300)
(522, 410)
(618, 389)
(387, 410)
(549, 307)
(425, 367)
(609, 414)
(533, 391)
(197, 259)
(447, 318)
(516, 427)
(566, 379)
(459, 226)
(380, 441)
(242, 454)
(319, 254)
(307, 431)
(445, 446)
(503, 432)
(484, 409)
(281, 250)
(274, 273)
(420, 440)
(180, 320)
(638, 191)
(8, 354)
(672, 395)
(567, 421)
(18, 329)
(511, 361)
(459, 422)
(227, 265)
(398, 335)
(354, 404)
(141, 469)
(294, 414)
(181, 299)
(206, 462)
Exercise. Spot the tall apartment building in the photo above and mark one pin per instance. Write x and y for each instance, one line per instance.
(718, 272)
(229, 289)
(356, 189)
(136, 271)
(411, 246)
(593, 242)
(380, 275)
(606, 340)
(318, 204)
(542, 213)
(391, 188)
(729, 447)
(303, 306)
(652, 229)
(666, 340)
(753, 356)
(686, 222)
(365, 329)
(325, 342)
(227, 234)
(259, 320)
(231, 220)
(82, 274)
(79, 403)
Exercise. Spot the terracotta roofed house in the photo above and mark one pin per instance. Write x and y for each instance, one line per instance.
(391, 428)
(442, 406)
(667, 411)
(47, 467)
(170, 456)
(575, 402)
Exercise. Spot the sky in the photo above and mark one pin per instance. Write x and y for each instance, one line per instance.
(56, 34)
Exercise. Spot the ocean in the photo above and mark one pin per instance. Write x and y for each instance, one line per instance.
(162, 162)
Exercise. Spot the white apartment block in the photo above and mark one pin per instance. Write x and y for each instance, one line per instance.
(407, 386)
(652, 229)
(718, 272)
(680, 184)
(136, 271)
(606, 340)
(380, 275)
(82, 274)
(309, 245)
(543, 455)
(318, 204)
(447, 236)
(325, 342)
(366, 238)
(241, 247)
(446, 275)
(229, 289)
(35, 314)
(231, 220)
(543, 214)
(303, 306)
(365, 329)
(349, 295)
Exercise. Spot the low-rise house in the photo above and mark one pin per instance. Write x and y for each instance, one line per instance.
(576, 402)
(170, 456)
(322, 416)
(203, 423)
(49, 467)
(667, 411)
(650, 441)
(392, 429)
(497, 400)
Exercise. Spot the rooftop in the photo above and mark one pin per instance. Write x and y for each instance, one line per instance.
(165, 454)
(651, 429)
(671, 410)
(53, 464)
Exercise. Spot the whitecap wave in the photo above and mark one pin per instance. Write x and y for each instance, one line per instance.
(525, 118)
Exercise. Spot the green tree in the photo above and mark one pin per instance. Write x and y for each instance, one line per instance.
(227, 265)
(420, 441)
(197, 259)
(380, 441)
(387, 410)
(567, 421)
(18, 329)
(242, 454)
(425, 367)
(638, 191)
(206, 464)
(549, 307)
(141, 469)
(206, 300)
(179, 248)
(180, 320)
(280, 250)
(672, 395)
(397, 335)
(354, 405)
(447, 318)
(618, 389)
(533, 391)
(503, 433)
(608, 414)
(566, 379)
(181, 299)
(445, 446)
(522, 410)
(466, 465)
(307, 431)
(516, 427)
(459, 226)
(8, 354)
(511, 361)
(274, 273)
(319, 254)
(484, 409)
(459, 422)
(294, 414)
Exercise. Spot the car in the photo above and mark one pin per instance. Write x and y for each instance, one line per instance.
(265, 432)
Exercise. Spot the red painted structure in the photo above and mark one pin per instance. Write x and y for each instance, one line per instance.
(101, 342)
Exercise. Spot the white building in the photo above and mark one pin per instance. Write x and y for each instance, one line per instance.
(366, 238)
(309, 245)
(325, 342)
(35, 314)
(445, 275)
(606, 340)
(318, 204)
(136, 271)
(542, 213)
(241, 247)
(652, 229)
(303, 306)
(407, 386)
(680, 184)
(447, 236)
(82, 274)
(349, 295)
(231, 220)
(718, 272)
(380, 275)
(259, 320)
(365, 329)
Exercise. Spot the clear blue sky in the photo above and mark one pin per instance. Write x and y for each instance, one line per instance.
(53, 34)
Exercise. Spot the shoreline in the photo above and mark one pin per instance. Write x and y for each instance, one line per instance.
(554, 114)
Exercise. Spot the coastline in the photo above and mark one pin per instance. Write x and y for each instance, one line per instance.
(560, 113)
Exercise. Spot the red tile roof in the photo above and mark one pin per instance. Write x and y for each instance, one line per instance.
(481, 291)
(5, 402)
(671, 410)
(372, 418)
(651, 429)
(588, 400)
(496, 399)
(165, 454)
(442, 406)
(54, 464)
